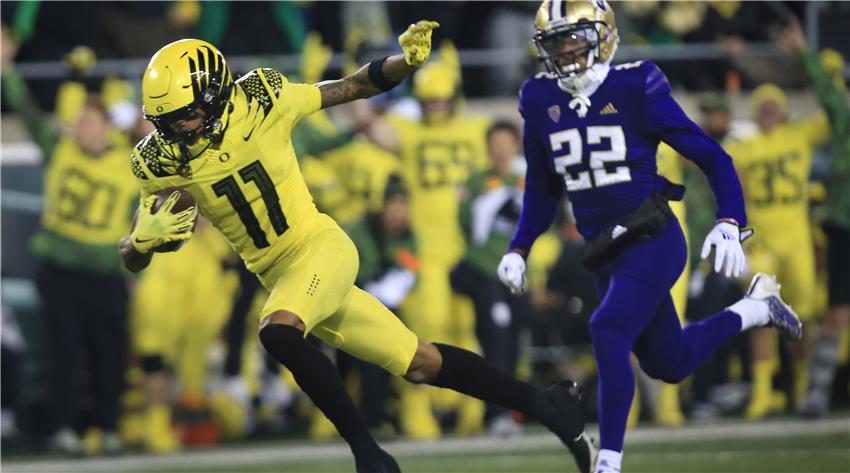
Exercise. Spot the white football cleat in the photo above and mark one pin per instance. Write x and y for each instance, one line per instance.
(764, 287)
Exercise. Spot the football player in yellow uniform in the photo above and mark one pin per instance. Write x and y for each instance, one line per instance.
(227, 144)
(88, 196)
(438, 152)
(174, 319)
(774, 170)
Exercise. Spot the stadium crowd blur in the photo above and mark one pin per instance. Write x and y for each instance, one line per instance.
(97, 361)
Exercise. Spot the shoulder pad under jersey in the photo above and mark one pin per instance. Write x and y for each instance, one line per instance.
(254, 85)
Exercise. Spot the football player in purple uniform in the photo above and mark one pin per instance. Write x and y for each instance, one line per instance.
(591, 132)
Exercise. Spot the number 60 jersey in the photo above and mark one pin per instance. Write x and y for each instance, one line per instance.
(602, 150)
(249, 185)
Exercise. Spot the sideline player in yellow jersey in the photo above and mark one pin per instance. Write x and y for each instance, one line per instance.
(174, 318)
(438, 154)
(227, 144)
(774, 169)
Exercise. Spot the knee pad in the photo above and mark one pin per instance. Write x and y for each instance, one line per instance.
(152, 363)
(281, 341)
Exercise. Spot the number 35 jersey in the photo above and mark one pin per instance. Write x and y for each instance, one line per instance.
(602, 150)
(774, 169)
(249, 185)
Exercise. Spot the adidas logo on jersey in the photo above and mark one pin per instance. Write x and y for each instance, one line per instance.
(608, 109)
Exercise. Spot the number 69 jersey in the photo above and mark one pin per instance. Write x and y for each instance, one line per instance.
(602, 150)
(249, 185)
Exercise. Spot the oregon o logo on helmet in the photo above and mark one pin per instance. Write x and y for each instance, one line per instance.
(224, 157)
(159, 108)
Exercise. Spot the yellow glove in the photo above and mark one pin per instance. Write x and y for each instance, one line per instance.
(416, 42)
(314, 58)
(155, 229)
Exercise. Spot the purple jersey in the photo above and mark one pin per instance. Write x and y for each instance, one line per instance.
(603, 155)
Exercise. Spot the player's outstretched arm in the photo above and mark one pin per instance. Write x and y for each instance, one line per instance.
(134, 260)
(383, 74)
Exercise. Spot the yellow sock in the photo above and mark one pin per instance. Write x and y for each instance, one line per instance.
(93, 441)
(634, 412)
(321, 428)
(762, 389)
(159, 436)
(844, 347)
(470, 416)
(415, 416)
(668, 412)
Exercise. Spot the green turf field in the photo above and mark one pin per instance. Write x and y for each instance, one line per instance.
(819, 453)
(776, 446)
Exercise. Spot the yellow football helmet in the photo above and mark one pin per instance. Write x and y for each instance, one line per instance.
(182, 78)
(573, 36)
(436, 80)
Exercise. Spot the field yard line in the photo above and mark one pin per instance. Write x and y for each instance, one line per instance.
(235, 456)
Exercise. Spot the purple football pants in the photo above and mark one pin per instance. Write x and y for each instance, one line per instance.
(637, 315)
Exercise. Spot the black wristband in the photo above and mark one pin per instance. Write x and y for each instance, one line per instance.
(376, 75)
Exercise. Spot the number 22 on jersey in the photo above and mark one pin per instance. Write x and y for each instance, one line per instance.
(256, 174)
(598, 176)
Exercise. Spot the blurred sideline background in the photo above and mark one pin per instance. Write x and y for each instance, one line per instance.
(183, 335)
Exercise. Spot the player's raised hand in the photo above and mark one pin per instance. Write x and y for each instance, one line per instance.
(729, 256)
(416, 42)
(157, 228)
(512, 272)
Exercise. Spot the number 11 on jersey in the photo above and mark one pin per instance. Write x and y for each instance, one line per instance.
(256, 173)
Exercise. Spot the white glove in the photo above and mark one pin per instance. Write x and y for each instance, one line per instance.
(512, 272)
(726, 239)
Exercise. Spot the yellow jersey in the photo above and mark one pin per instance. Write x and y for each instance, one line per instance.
(88, 198)
(367, 168)
(329, 192)
(88, 203)
(436, 160)
(249, 185)
(774, 171)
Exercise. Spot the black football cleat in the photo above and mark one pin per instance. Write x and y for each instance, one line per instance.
(377, 462)
(559, 409)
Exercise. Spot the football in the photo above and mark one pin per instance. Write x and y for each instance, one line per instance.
(184, 202)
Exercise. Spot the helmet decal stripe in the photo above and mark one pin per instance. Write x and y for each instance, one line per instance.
(212, 60)
(555, 10)
(202, 75)
(220, 75)
(193, 73)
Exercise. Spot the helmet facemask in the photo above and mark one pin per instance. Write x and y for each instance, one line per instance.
(570, 51)
(211, 105)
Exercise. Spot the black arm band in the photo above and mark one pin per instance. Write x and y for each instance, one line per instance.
(377, 77)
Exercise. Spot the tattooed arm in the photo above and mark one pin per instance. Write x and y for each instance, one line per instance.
(416, 45)
(359, 86)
